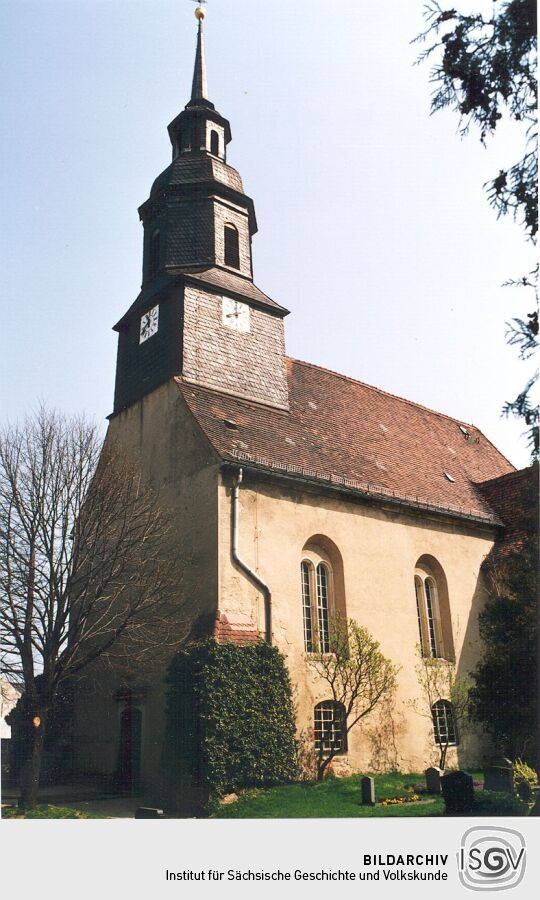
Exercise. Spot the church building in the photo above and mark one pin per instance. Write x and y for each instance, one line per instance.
(298, 494)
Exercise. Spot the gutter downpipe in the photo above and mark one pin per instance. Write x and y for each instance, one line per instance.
(263, 587)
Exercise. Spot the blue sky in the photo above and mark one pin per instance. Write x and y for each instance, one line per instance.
(374, 229)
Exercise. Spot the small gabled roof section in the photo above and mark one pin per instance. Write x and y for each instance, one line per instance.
(514, 499)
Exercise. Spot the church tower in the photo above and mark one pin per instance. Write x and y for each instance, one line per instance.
(199, 315)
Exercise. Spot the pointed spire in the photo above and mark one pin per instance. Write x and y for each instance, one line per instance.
(199, 88)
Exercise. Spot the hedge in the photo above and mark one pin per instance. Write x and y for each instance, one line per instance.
(230, 717)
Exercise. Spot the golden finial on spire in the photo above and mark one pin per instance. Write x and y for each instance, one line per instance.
(199, 12)
(199, 90)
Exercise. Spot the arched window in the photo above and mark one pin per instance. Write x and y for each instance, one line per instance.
(214, 142)
(427, 610)
(323, 592)
(433, 609)
(444, 724)
(316, 605)
(232, 251)
(196, 137)
(155, 253)
(330, 727)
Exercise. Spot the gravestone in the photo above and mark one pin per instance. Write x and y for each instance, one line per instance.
(499, 776)
(524, 791)
(433, 780)
(458, 792)
(368, 791)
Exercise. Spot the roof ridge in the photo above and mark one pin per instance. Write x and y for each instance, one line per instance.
(373, 387)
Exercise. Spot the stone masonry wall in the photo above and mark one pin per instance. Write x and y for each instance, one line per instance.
(249, 364)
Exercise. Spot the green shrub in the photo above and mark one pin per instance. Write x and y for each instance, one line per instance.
(523, 774)
(230, 717)
(497, 803)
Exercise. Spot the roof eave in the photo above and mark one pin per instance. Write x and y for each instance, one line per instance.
(368, 496)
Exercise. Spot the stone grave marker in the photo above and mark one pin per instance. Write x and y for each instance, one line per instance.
(524, 791)
(499, 776)
(433, 780)
(368, 791)
(458, 792)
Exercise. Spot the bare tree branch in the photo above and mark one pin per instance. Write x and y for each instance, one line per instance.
(88, 574)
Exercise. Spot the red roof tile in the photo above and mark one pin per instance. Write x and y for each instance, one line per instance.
(514, 498)
(349, 434)
(235, 629)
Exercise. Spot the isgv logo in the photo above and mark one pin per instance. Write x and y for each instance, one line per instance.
(491, 858)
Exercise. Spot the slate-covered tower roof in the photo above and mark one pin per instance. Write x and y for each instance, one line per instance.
(197, 271)
(191, 199)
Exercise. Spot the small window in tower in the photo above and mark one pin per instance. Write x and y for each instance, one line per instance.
(155, 253)
(214, 143)
(196, 138)
(232, 251)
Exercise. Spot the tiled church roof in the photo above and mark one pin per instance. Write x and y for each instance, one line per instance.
(514, 498)
(356, 437)
(235, 627)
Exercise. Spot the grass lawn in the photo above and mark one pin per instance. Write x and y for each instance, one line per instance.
(45, 811)
(332, 798)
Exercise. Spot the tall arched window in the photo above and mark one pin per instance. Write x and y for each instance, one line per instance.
(196, 137)
(433, 609)
(214, 142)
(323, 592)
(316, 605)
(330, 727)
(444, 724)
(427, 609)
(232, 248)
(155, 253)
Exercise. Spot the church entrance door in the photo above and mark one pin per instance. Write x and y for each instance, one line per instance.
(129, 775)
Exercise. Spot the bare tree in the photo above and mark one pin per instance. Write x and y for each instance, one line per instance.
(359, 677)
(87, 576)
(439, 682)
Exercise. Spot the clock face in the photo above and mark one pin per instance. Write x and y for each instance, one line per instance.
(235, 314)
(149, 324)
